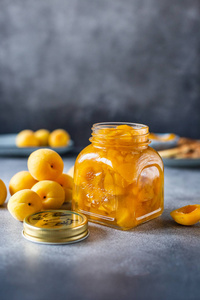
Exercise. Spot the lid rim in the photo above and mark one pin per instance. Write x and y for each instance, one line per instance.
(63, 227)
(56, 242)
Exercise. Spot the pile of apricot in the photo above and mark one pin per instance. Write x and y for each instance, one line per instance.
(44, 186)
(42, 137)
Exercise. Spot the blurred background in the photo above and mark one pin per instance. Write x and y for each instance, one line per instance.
(69, 64)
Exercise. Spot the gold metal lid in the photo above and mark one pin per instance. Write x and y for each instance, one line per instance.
(55, 227)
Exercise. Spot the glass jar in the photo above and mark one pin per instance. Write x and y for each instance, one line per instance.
(119, 179)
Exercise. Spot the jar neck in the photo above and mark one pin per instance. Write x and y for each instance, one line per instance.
(128, 135)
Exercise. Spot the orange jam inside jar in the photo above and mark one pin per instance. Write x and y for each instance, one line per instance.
(118, 178)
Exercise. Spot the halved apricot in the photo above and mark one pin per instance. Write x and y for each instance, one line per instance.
(186, 215)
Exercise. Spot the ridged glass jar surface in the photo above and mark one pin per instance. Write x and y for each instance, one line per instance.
(119, 179)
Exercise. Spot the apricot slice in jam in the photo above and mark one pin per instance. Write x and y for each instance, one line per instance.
(111, 187)
(124, 219)
(186, 215)
(89, 172)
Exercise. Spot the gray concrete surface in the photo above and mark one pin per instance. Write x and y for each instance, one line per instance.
(156, 260)
(69, 63)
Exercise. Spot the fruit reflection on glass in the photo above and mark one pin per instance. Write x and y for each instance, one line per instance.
(71, 172)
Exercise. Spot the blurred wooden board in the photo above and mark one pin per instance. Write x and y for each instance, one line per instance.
(186, 154)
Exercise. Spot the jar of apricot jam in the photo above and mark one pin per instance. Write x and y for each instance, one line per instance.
(119, 179)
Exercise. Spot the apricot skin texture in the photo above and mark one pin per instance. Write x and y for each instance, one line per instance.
(66, 182)
(27, 138)
(187, 215)
(24, 203)
(20, 181)
(51, 193)
(45, 164)
(59, 138)
(3, 192)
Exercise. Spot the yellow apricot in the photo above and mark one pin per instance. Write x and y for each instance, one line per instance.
(45, 164)
(3, 192)
(43, 136)
(27, 138)
(66, 182)
(24, 203)
(59, 138)
(51, 194)
(20, 181)
(187, 215)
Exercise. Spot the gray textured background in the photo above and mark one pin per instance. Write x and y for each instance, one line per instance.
(70, 63)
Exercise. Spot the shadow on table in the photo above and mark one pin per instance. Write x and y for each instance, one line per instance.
(166, 225)
(97, 232)
(3, 206)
